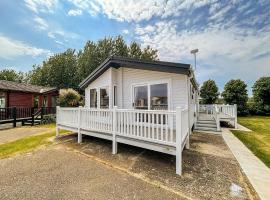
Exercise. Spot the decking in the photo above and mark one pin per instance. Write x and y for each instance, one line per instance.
(210, 116)
(158, 130)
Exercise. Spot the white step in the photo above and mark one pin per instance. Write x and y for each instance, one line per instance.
(205, 129)
(206, 125)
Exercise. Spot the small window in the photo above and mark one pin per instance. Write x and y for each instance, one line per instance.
(36, 100)
(114, 95)
(104, 97)
(93, 98)
(2, 102)
(45, 102)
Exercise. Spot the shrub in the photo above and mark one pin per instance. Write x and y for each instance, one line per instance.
(69, 98)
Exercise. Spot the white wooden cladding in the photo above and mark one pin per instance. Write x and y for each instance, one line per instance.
(149, 125)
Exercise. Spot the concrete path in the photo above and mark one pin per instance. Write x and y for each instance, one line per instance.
(256, 171)
(12, 134)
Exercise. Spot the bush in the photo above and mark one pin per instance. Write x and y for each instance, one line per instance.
(69, 98)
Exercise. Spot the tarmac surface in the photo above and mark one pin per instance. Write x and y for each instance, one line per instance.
(69, 170)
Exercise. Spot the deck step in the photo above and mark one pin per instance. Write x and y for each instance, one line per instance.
(206, 122)
(205, 129)
(206, 125)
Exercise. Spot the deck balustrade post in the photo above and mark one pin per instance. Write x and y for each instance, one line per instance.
(79, 125)
(189, 129)
(235, 115)
(114, 142)
(57, 120)
(179, 140)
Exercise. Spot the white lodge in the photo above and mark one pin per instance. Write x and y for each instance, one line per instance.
(149, 104)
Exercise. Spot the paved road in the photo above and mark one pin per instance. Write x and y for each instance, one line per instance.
(7, 135)
(56, 173)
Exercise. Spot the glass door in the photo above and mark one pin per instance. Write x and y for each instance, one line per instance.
(141, 97)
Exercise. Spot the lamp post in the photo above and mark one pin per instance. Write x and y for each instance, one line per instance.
(194, 51)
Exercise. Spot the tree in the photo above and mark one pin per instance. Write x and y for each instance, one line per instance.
(94, 54)
(261, 94)
(235, 92)
(58, 71)
(209, 92)
(69, 98)
(11, 75)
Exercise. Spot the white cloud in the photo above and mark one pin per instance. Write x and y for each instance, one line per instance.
(231, 51)
(128, 10)
(125, 31)
(10, 48)
(41, 23)
(41, 5)
(74, 12)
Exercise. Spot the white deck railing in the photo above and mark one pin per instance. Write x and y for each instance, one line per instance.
(220, 112)
(154, 126)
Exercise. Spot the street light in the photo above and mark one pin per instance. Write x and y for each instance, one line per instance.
(194, 51)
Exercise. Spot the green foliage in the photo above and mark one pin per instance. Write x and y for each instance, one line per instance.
(235, 92)
(58, 71)
(209, 92)
(68, 69)
(258, 141)
(69, 98)
(12, 75)
(261, 94)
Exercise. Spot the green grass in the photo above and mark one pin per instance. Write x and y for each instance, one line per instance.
(258, 141)
(27, 144)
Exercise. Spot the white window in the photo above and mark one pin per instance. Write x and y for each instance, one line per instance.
(104, 97)
(115, 95)
(152, 96)
(93, 98)
(159, 96)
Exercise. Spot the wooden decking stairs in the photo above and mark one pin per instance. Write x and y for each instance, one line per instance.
(206, 123)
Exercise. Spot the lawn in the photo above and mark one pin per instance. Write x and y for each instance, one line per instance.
(29, 143)
(258, 141)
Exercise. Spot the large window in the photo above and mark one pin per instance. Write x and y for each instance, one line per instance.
(93, 98)
(36, 100)
(104, 97)
(159, 96)
(151, 96)
(141, 97)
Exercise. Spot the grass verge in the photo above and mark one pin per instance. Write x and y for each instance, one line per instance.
(258, 141)
(27, 144)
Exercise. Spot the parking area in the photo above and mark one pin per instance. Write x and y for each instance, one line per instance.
(68, 170)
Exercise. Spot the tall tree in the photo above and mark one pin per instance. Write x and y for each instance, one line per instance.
(58, 71)
(235, 92)
(209, 92)
(261, 94)
(11, 75)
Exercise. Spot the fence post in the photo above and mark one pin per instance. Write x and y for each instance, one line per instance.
(178, 152)
(189, 129)
(14, 113)
(235, 115)
(57, 118)
(79, 125)
(32, 116)
(114, 142)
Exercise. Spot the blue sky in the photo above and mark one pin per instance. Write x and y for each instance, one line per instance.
(233, 37)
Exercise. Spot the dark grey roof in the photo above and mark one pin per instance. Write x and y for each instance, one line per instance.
(117, 61)
(23, 87)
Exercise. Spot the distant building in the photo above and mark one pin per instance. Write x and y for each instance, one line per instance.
(14, 94)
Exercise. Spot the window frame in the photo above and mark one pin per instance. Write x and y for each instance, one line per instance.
(148, 84)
